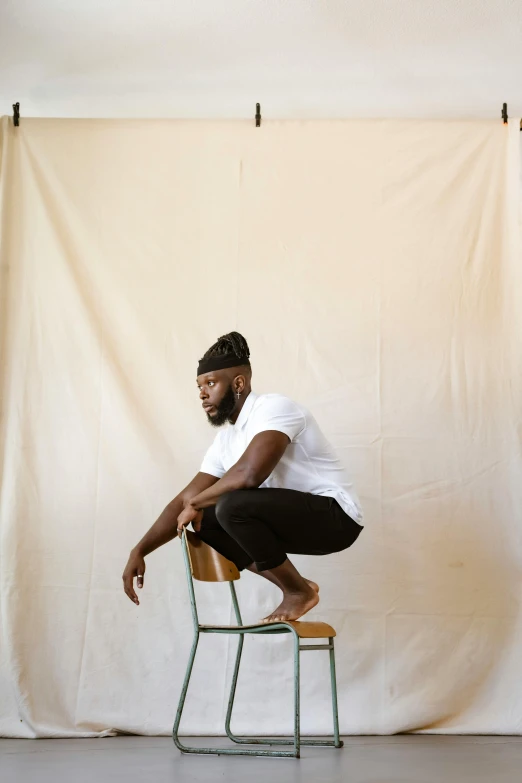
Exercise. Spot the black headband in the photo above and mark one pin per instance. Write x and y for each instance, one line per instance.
(221, 362)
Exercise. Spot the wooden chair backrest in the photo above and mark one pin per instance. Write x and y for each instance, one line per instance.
(206, 564)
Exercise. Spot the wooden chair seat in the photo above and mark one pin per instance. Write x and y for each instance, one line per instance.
(305, 630)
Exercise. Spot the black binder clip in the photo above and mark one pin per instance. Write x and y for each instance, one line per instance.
(504, 113)
(258, 115)
(16, 114)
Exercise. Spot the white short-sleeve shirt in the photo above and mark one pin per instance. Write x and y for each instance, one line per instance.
(309, 463)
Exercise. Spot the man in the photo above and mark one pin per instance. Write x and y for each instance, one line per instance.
(270, 484)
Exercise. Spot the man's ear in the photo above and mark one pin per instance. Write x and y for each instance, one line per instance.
(239, 383)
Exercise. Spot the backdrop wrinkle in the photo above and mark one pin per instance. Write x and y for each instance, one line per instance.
(374, 267)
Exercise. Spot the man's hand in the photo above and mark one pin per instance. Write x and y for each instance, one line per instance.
(135, 568)
(190, 514)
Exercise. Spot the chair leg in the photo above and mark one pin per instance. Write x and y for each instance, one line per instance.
(218, 751)
(337, 742)
(228, 718)
(297, 683)
(183, 695)
(296, 742)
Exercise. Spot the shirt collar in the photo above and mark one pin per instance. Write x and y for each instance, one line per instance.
(245, 411)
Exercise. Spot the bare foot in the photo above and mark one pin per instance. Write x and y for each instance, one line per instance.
(313, 585)
(295, 605)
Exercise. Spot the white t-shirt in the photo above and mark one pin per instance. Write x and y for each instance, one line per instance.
(309, 463)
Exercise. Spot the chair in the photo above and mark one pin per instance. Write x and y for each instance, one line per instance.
(205, 564)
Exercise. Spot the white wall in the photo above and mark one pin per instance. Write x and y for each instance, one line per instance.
(299, 58)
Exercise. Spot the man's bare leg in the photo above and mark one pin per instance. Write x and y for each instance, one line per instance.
(299, 594)
(272, 577)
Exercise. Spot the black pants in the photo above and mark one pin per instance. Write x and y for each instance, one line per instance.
(262, 525)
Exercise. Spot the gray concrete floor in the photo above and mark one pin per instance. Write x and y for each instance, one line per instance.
(397, 759)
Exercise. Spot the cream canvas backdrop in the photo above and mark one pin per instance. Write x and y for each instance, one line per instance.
(374, 268)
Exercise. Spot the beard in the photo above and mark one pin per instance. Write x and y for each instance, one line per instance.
(224, 410)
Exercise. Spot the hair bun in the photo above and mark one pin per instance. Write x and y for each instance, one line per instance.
(234, 343)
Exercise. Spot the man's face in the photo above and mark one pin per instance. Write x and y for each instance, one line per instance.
(217, 396)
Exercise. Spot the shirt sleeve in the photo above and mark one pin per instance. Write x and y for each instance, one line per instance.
(212, 461)
(280, 414)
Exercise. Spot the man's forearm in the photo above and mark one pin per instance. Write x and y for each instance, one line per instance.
(233, 479)
(163, 530)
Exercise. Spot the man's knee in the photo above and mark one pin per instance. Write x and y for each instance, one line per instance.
(230, 505)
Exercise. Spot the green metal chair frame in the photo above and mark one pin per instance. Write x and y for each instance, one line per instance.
(240, 630)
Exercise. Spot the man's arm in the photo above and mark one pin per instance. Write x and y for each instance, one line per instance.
(165, 527)
(163, 530)
(253, 467)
